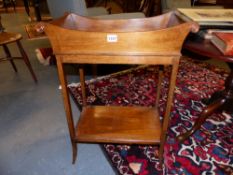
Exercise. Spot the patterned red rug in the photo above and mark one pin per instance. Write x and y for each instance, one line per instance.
(209, 151)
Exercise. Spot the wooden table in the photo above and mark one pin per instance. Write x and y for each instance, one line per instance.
(81, 40)
(220, 100)
(225, 3)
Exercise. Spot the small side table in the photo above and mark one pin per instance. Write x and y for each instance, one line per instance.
(220, 100)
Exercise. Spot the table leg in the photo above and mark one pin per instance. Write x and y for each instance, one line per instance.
(36, 4)
(224, 102)
(26, 6)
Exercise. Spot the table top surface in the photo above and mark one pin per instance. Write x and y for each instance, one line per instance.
(205, 48)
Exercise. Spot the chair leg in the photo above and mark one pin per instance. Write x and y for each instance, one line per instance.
(9, 57)
(26, 6)
(26, 60)
(7, 2)
(105, 3)
(13, 3)
(202, 118)
(5, 5)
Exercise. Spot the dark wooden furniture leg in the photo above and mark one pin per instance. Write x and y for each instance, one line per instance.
(13, 3)
(7, 2)
(26, 60)
(9, 57)
(223, 102)
(36, 5)
(8, 38)
(5, 5)
(68, 109)
(26, 6)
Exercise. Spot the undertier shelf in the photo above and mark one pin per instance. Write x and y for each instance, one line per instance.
(118, 124)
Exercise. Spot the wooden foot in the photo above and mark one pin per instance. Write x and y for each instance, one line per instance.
(94, 70)
(75, 151)
(203, 116)
(219, 101)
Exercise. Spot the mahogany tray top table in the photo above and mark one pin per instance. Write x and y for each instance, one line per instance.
(220, 100)
(151, 41)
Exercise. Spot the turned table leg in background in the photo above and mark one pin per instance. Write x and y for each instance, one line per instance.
(36, 5)
(224, 102)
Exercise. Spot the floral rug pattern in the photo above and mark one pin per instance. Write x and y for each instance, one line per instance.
(210, 149)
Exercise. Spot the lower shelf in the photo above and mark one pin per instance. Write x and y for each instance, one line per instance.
(117, 124)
